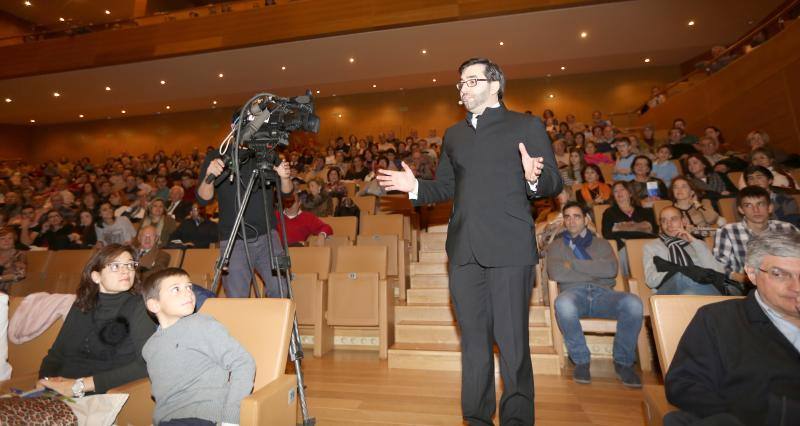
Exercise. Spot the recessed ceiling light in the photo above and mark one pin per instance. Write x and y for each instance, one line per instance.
(584, 34)
(163, 82)
(283, 68)
(374, 86)
(8, 100)
(318, 92)
(352, 60)
(551, 96)
(340, 115)
(502, 44)
(61, 19)
(646, 60)
(33, 121)
(690, 23)
(334, 94)
(220, 75)
(563, 68)
(168, 107)
(424, 52)
(434, 80)
(56, 94)
(214, 103)
(108, 89)
(549, 75)
(80, 115)
(108, 12)
(401, 88)
(124, 112)
(27, 3)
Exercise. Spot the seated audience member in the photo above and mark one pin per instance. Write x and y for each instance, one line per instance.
(593, 190)
(13, 262)
(676, 245)
(705, 178)
(709, 148)
(198, 371)
(196, 231)
(301, 224)
(585, 268)
(150, 258)
(623, 168)
(111, 230)
(118, 202)
(647, 188)
(759, 139)
(737, 362)
(784, 206)
(677, 147)
(627, 219)
(178, 208)
(697, 212)
(730, 243)
(687, 139)
(335, 187)
(663, 167)
(763, 157)
(54, 233)
(317, 200)
(161, 190)
(358, 171)
(83, 235)
(572, 173)
(592, 156)
(560, 152)
(100, 344)
(420, 165)
(156, 216)
(317, 170)
(137, 209)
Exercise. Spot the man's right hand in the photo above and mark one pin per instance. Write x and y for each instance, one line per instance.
(397, 180)
(215, 167)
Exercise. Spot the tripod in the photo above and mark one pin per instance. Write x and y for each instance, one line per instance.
(265, 176)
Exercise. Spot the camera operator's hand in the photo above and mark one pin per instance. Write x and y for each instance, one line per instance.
(283, 169)
(215, 167)
(206, 189)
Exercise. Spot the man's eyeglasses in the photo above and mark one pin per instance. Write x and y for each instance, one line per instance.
(115, 266)
(470, 82)
(781, 276)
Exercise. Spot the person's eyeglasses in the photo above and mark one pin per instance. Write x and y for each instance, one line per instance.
(115, 266)
(470, 82)
(781, 276)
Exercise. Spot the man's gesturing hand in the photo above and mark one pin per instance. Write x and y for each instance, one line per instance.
(531, 165)
(397, 180)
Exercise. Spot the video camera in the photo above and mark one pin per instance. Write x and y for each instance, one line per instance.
(270, 119)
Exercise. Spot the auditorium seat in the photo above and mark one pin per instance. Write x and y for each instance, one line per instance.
(727, 209)
(26, 358)
(385, 224)
(175, 257)
(367, 204)
(64, 270)
(263, 327)
(310, 268)
(344, 226)
(598, 325)
(597, 211)
(199, 264)
(397, 267)
(607, 169)
(670, 317)
(735, 177)
(659, 205)
(34, 276)
(358, 293)
(637, 282)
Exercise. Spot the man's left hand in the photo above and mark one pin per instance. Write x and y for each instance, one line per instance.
(531, 165)
(283, 170)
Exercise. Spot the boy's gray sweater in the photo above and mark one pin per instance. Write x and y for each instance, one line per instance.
(198, 370)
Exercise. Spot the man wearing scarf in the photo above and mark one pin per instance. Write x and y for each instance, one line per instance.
(678, 247)
(585, 268)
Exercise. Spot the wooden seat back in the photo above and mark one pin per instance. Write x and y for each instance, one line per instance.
(597, 212)
(311, 260)
(34, 277)
(659, 205)
(199, 264)
(367, 204)
(727, 209)
(635, 251)
(362, 259)
(63, 273)
(26, 358)
(344, 226)
(175, 257)
(392, 249)
(385, 224)
(354, 299)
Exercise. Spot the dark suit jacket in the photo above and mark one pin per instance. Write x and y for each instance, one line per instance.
(481, 170)
(732, 359)
(181, 210)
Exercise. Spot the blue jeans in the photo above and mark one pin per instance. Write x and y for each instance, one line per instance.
(237, 281)
(592, 301)
(681, 284)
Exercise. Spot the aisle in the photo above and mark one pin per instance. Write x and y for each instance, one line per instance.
(355, 388)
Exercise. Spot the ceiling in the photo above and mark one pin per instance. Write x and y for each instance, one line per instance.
(620, 36)
(46, 13)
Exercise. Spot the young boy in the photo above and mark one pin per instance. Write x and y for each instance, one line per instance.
(199, 373)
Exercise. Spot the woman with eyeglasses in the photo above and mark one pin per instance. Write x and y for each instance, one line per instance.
(100, 344)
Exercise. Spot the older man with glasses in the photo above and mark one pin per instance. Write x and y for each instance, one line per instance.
(738, 363)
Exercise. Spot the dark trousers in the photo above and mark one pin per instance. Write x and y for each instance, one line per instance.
(492, 306)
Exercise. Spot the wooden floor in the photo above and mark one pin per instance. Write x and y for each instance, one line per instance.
(356, 388)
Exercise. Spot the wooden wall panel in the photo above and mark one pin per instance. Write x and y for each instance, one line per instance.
(398, 111)
(758, 91)
(15, 141)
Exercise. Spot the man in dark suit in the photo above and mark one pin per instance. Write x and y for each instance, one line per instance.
(738, 363)
(486, 168)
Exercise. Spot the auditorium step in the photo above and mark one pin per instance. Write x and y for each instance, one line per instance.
(430, 281)
(415, 296)
(433, 256)
(539, 315)
(437, 229)
(432, 242)
(447, 332)
(447, 357)
(427, 268)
